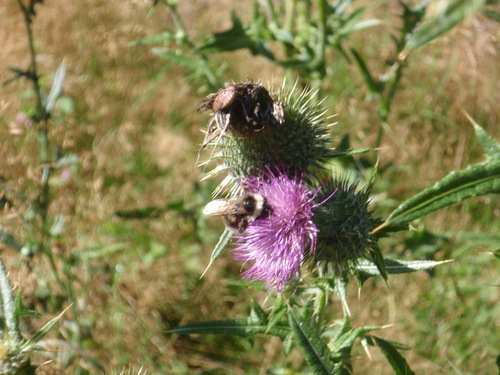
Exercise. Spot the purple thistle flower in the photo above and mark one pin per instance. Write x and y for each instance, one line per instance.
(278, 243)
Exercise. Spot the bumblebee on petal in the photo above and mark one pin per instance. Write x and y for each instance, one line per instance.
(237, 212)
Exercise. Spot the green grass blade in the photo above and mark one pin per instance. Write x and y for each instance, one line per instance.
(313, 347)
(455, 13)
(8, 239)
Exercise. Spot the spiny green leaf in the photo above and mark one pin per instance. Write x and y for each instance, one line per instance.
(313, 347)
(397, 266)
(239, 37)
(475, 180)
(340, 288)
(396, 360)
(44, 330)
(366, 269)
(455, 13)
(374, 86)
(220, 247)
(21, 311)
(258, 315)
(490, 145)
(238, 327)
(342, 346)
(278, 312)
(378, 260)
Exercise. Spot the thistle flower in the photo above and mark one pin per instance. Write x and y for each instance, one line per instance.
(278, 243)
(345, 224)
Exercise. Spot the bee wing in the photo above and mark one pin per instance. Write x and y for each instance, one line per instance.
(219, 207)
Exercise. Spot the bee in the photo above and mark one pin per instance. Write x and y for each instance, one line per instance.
(238, 212)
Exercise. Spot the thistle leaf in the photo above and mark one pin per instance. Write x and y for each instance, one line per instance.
(374, 86)
(44, 330)
(244, 327)
(219, 248)
(396, 360)
(491, 147)
(221, 245)
(313, 347)
(340, 288)
(474, 180)
(366, 269)
(257, 314)
(56, 88)
(239, 37)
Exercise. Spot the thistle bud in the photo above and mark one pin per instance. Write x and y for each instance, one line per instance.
(253, 128)
(345, 224)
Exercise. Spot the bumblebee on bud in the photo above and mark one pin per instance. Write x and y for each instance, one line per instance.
(241, 108)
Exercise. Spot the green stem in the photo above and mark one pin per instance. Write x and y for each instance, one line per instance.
(42, 117)
(321, 48)
(209, 74)
(41, 113)
(43, 140)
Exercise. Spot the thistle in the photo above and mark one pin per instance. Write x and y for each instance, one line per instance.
(273, 147)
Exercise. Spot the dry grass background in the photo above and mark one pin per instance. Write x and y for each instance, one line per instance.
(136, 131)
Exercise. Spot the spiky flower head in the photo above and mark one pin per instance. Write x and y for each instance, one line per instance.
(255, 129)
(345, 226)
(278, 243)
